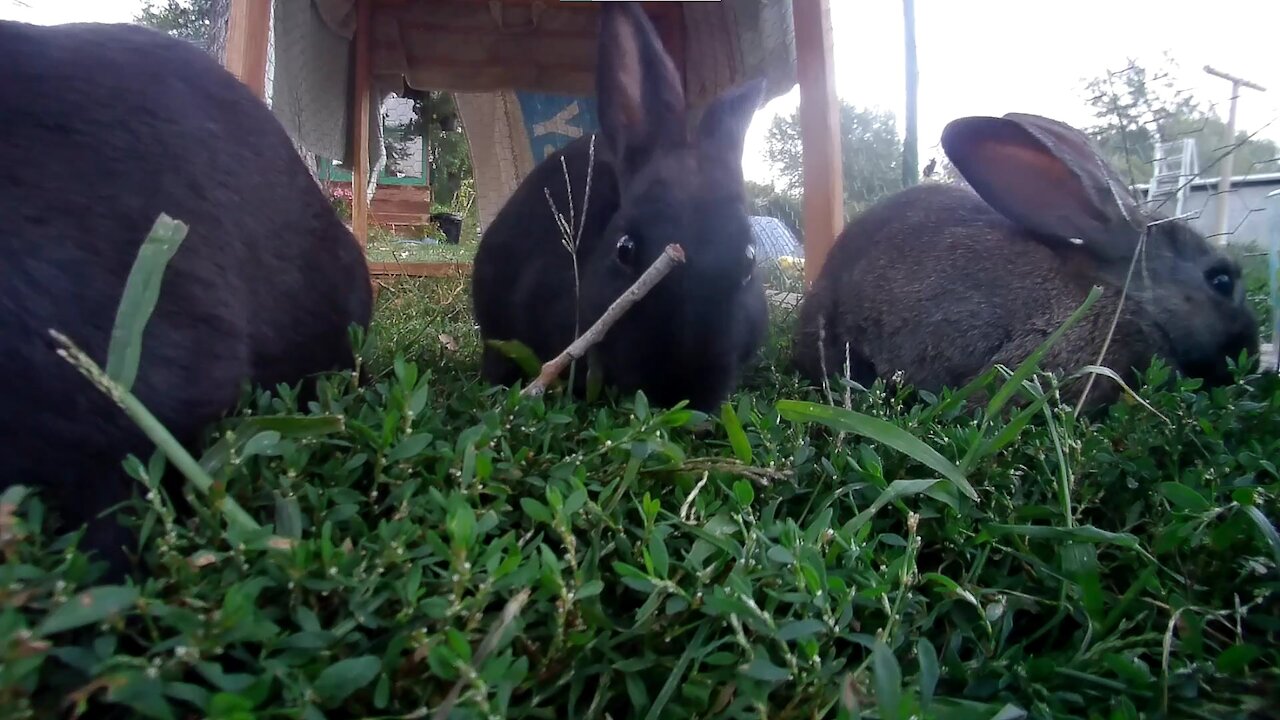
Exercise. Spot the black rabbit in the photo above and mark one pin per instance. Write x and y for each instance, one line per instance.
(102, 128)
(655, 180)
(940, 282)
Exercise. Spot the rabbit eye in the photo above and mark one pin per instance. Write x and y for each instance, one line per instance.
(1222, 283)
(626, 250)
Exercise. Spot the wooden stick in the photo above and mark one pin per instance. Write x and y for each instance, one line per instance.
(671, 256)
(509, 614)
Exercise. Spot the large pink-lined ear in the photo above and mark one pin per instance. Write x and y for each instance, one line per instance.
(722, 130)
(640, 97)
(1047, 177)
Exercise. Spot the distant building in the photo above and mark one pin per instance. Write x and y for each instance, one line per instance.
(1249, 211)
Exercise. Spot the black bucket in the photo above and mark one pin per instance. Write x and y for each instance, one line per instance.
(450, 224)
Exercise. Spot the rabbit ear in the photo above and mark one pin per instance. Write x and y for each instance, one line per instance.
(641, 100)
(722, 130)
(1045, 176)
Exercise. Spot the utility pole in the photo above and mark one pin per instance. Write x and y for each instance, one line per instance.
(911, 139)
(1224, 182)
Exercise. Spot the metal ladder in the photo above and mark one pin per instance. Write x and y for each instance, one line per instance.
(1175, 164)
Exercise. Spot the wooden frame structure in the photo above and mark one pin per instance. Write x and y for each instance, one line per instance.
(247, 36)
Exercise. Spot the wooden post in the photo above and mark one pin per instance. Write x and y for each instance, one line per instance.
(360, 124)
(819, 132)
(248, 24)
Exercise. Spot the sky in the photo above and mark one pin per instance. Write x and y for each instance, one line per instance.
(980, 57)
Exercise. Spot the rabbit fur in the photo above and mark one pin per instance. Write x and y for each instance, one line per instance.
(655, 180)
(940, 282)
(102, 128)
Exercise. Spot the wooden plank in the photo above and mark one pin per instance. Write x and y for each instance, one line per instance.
(381, 218)
(819, 132)
(502, 61)
(360, 122)
(650, 6)
(419, 269)
(399, 207)
(248, 24)
(444, 25)
(471, 79)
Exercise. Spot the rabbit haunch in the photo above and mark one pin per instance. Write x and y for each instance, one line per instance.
(656, 179)
(102, 129)
(941, 282)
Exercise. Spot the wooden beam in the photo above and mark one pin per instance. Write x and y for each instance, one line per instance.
(360, 123)
(419, 269)
(819, 132)
(650, 6)
(248, 23)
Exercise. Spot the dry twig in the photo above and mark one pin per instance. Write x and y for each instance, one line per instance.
(510, 612)
(671, 256)
(762, 476)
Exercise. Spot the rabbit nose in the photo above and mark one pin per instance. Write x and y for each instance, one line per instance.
(1245, 338)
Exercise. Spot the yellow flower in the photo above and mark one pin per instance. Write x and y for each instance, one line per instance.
(790, 262)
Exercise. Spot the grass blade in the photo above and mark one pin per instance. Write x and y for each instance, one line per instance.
(897, 490)
(141, 292)
(153, 428)
(1010, 432)
(1111, 375)
(880, 431)
(929, 671)
(1029, 365)
(979, 450)
(737, 436)
(1266, 528)
(1081, 533)
(888, 681)
(520, 354)
(677, 673)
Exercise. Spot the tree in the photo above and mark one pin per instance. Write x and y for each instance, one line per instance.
(191, 20)
(1135, 108)
(434, 119)
(448, 151)
(871, 153)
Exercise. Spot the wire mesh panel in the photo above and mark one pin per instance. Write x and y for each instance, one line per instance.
(1148, 117)
(1272, 354)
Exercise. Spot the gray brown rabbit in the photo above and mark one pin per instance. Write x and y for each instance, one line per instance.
(102, 129)
(940, 282)
(655, 181)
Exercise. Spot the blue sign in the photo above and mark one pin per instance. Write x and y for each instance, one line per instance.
(552, 121)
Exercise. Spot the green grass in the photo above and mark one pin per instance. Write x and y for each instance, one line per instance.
(1257, 286)
(384, 246)
(447, 544)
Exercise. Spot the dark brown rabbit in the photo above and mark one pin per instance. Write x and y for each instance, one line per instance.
(102, 128)
(941, 282)
(655, 181)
